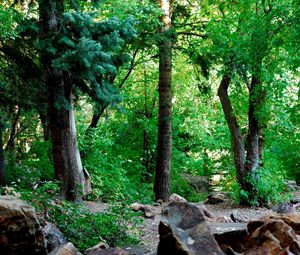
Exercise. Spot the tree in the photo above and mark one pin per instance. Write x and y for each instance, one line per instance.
(67, 161)
(2, 172)
(78, 51)
(250, 36)
(164, 143)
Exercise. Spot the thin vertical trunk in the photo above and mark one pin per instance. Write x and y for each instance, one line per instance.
(2, 170)
(164, 143)
(67, 162)
(98, 112)
(13, 129)
(45, 125)
(235, 133)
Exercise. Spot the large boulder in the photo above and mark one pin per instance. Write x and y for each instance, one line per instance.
(274, 235)
(270, 235)
(183, 230)
(20, 230)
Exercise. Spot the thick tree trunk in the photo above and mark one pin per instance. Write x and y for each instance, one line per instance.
(235, 133)
(2, 170)
(252, 162)
(164, 144)
(67, 162)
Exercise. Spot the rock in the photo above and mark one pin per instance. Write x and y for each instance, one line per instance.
(224, 219)
(149, 212)
(20, 230)
(199, 183)
(110, 251)
(136, 207)
(183, 230)
(176, 198)
(284, 207)
(235, 216)
(136, 250)
(272, 235)
(230, 236)
(97, 247)
(216, 198)
(204, 210)
(66, 249)
(54, 237)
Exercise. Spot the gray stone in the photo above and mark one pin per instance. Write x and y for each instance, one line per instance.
(110, 251)
(176, 198)
(66, 249)
(54, 237)
(136, 250)
(20, 230)
(217, 198)
(183, 230)
(97, 247)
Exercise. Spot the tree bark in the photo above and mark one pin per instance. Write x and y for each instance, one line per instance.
(67, 162)
(253, 146)
(2, 170)
(164, 144)
(235, 133)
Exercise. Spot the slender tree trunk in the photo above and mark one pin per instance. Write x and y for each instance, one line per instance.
(235, 133)
(98, 112)
(164, 144)
(45, 125)
(13, 130)
(67, 162)
(2, 170)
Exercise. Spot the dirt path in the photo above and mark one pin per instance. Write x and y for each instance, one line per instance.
(148, 230)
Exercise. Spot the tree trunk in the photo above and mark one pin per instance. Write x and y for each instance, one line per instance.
(45, 125)
(13, 129)
(98, 112)
(235, 133)
(2, 170)
(164, 144)
(253, 137)
(67, 162)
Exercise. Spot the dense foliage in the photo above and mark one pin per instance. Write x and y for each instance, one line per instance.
(108, 52)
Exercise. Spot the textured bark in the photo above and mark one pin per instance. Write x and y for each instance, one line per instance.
(247, 160)
(67, 162)
(235, 133)
(164, 144)
(2, 171)
(253, 148)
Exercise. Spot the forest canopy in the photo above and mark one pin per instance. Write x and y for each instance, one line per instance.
(124, 101)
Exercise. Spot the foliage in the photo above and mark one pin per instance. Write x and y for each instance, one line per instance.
(84, 229)
(95, 44)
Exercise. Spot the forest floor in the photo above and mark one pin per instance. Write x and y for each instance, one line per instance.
(148, 230)
(220, 213)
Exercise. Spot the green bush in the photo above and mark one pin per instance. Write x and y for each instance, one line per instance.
(81, 227)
